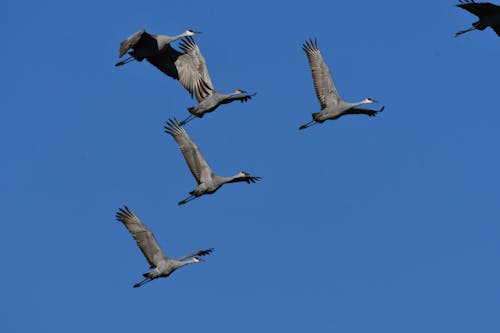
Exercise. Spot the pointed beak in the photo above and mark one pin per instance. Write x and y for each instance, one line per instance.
(199, 259)
(374, 101)
(197, 32)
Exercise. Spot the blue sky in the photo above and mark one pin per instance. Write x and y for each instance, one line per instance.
(386, 224)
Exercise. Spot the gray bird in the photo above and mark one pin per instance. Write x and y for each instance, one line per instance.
(488, 14)
(147, 45)
(160, 264)
(332, 105)
(190, 69)
(208, 182)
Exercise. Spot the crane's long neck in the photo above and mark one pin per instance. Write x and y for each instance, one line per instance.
(186, 262)
(164, 40)
(365, 101)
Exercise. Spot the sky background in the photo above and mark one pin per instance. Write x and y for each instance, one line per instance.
(386, 224)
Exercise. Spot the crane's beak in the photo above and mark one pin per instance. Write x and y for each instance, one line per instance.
(197, 32)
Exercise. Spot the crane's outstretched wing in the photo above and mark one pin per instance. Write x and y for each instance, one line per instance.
(192, 154)
(144, 238)
(139, 39)
(192, 68)
(496, 27)
(197, 253)
(323, 83)
(243, 97)
(480, 9)
(368, 112)
(165, 61)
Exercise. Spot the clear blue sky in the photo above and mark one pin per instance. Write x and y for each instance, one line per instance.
(386, 224)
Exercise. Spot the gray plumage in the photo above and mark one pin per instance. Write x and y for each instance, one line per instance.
(146, 46)
(160, 264)
(488, 14)
(190, 68)
(332, 105)
(208, 182)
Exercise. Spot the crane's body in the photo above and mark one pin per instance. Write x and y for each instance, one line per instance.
(160, 264)
(208, 182)
(190, 68)
(213, 101)
(488, 14)
(332, 105)
(145, 45)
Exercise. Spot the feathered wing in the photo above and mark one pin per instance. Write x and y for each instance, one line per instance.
(480, 9)
(496, 28)
(192, 154)
(145, 239)
(165, 61)
(138, 39)
(368, 112)
(192, 68)
(240, 97)
(323, 83)
(196, 254)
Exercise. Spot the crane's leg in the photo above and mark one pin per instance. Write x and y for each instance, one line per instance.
(187, 120)
(309, 124)
(146, 280)
(126, 61)
(464, 31)
(182, 202)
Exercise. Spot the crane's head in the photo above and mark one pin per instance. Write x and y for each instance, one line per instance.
(196, 259)
(369, 100)
(246, 177)
(190, 32)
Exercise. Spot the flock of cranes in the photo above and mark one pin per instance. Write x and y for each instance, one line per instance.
(190, 68)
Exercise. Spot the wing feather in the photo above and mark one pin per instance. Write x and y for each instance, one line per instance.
(323, 83)
(145, 239)
(140, 39)
(197, 253)
(165, 61)
(192, 154)
(193, 71)
(480, 9)
(496, 28)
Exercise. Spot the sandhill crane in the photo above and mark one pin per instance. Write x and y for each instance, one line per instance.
(190, 69)
(208, 182)
(147, 45)
(332, 105)
(160, 264)
(488, 14)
